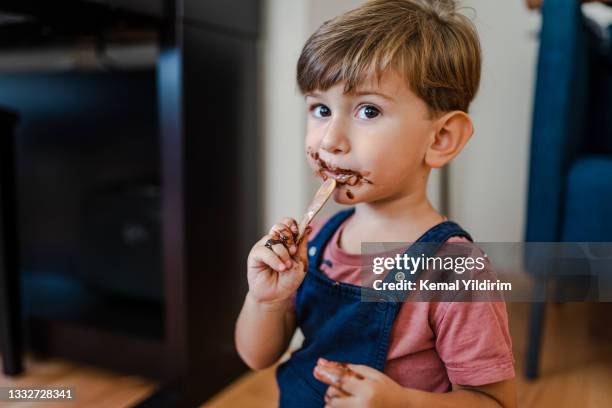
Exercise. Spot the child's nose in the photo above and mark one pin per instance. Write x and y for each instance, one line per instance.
(334, 139)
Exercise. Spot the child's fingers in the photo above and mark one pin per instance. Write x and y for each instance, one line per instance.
(350, 385)
(326, 376)
(292, 224)
(282, 252)
(341, 402)
(277, 228)
(262, 255)
(285, 234)
(331, 374)
(353, 368)
(334, 392)
(365, 371)
(288, 224)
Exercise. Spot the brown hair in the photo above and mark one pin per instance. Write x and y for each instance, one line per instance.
(429, 42)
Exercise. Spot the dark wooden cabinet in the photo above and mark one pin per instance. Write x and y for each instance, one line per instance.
(179, 142)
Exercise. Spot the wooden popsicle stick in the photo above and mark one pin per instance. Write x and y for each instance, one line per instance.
(318, 201)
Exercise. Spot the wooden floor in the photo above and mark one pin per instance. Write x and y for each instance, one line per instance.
(576, 369)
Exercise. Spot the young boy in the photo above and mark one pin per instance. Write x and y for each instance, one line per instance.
(388, 86)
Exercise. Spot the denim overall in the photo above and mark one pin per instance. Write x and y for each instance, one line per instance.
(337, 324)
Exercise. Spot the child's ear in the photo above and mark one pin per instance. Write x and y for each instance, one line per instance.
(452, 132)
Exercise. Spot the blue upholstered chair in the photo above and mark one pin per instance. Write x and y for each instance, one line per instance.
(570, 175)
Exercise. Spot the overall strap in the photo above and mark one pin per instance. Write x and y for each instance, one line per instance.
(317, 244)
(427, 245)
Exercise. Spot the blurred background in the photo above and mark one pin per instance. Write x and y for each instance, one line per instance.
(147, 144)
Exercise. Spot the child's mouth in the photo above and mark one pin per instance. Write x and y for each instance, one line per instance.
(342, 176)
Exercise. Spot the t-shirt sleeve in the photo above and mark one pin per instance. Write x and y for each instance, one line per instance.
(473, 340)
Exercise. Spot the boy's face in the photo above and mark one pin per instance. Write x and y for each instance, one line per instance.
(373, 141)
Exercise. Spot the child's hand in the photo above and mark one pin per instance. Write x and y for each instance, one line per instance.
(352, 385)
(276, 271)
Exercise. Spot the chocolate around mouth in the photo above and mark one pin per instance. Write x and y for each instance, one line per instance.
(342, 176)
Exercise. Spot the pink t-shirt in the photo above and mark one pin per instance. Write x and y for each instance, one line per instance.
(434, 344)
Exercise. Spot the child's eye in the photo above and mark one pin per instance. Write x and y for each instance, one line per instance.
(368, 112)
(320, 111)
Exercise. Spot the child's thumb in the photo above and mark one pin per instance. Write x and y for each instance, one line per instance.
(303, 247)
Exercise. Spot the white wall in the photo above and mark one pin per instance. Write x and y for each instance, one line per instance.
(489, 178)
(283, 120)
